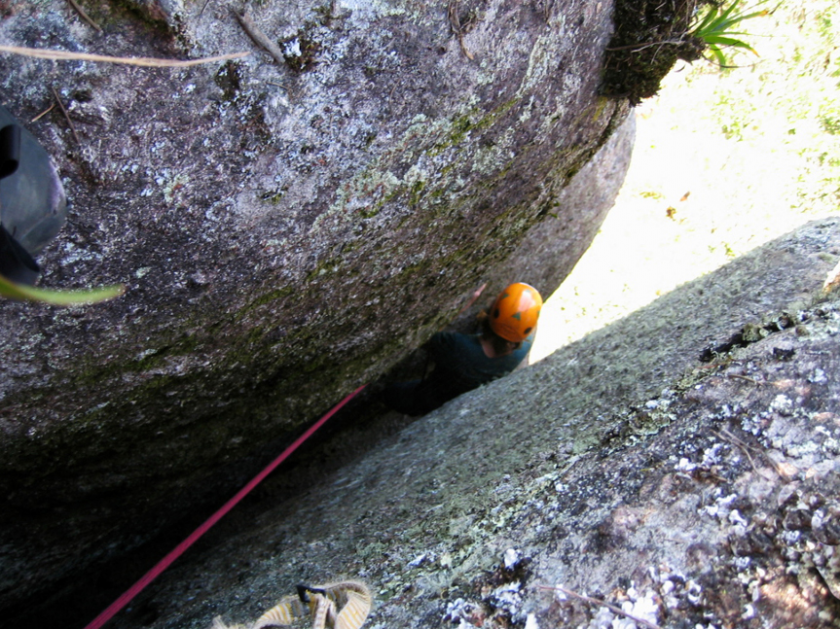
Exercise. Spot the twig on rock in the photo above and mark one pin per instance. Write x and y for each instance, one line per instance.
(640, 47)
(595, 601)
(66, 115)
(63, 55)
(43, 113)
(455, 24)
(84, 15)
(745, 378)
(745, 448)
(738, 443)
(259, 37)
(203, 6)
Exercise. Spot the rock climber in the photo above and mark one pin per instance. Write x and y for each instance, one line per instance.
(466, 361)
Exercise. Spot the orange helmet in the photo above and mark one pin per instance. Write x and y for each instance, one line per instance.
(515, 312)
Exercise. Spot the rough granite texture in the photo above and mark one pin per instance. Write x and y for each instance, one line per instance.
(689, 493)
(286, 231)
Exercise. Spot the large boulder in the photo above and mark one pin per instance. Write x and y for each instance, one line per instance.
(287, 227)
(682, 464)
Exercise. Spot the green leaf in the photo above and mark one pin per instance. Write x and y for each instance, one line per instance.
(718, 25)
(718, 53)
(710, 15)
(728, 41)
(21, 292)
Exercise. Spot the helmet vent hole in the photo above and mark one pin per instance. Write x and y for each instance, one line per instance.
(496, 313)
(528, 331)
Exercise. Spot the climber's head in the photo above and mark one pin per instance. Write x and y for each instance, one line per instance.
(513, 316)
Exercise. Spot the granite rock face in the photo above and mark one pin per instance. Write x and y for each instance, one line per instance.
(682, 464)
(286, 228)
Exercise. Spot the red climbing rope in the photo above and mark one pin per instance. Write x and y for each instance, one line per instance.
(164, 563)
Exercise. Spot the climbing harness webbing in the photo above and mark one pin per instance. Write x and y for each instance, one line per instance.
(164, 563)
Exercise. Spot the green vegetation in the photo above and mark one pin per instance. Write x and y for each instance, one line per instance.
(719, 27)
(725, 161)
(649, 39)
(21, 292)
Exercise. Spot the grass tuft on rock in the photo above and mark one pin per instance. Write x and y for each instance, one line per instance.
(648, 39)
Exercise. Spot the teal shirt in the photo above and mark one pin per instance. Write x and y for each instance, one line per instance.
(461, 363)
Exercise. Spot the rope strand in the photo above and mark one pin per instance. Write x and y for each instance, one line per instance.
(179, 550)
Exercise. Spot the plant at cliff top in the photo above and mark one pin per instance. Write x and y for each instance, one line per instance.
(21, 292)
(649, 37)
(718, 27)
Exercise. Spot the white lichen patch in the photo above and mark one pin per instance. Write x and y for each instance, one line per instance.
(461, 612)
(368, 10)
(176, 183)
(542, 61)
(782, 404)
(511, 558)
(292, 48)
(507, 597)
(72, 254)
(721, 508)
(644, 607)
